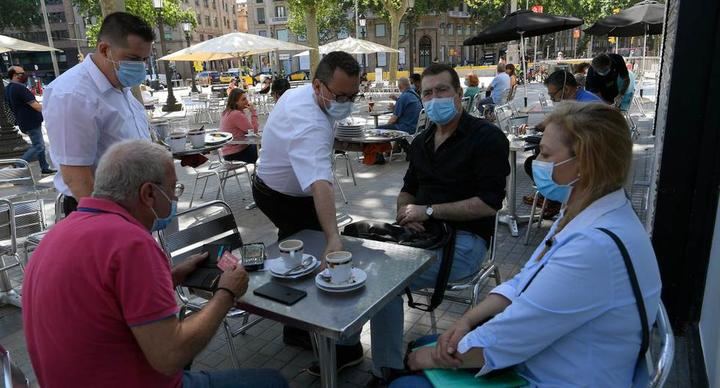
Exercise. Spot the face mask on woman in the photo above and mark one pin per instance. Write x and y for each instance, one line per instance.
(542, 175)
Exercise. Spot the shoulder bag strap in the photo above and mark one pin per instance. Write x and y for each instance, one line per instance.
(640, 302)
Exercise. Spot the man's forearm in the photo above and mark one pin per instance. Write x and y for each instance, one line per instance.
(324, 197)
(393, 119)
(404, 199)
(79, 179)
(465, 210)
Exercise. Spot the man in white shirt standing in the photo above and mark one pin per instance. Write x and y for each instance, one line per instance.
(90, 107)
(498, 88)
(293, 184)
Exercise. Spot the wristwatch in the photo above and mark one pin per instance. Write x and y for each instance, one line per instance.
(429, 211)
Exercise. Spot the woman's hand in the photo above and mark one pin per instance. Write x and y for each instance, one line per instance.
(445, 352)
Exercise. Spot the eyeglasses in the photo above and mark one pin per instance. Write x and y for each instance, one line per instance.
(19, 73)
(341, 98)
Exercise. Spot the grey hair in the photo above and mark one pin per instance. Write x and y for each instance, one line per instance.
(500, 67)
(126, 166)
(403, 81)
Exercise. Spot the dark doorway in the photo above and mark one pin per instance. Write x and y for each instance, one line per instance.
(425, 46)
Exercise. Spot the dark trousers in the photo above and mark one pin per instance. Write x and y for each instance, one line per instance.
(70, 204)
(289, 214)
(248, 155)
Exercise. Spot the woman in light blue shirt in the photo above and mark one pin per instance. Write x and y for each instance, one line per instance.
(569, 318)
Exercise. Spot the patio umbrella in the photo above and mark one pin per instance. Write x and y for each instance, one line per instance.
(11, 44)
(644, 18)
(523, 24)
(352, 46)
(232, 45)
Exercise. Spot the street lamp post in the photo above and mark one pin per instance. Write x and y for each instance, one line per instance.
(171, 105)
(363, 21)
(411, 21)
(187, 27)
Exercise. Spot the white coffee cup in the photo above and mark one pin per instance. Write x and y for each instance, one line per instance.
(291, 252)
(177, 141)
(197, 138)
(340, 265)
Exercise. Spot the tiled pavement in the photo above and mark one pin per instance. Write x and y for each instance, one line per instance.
(372, 198)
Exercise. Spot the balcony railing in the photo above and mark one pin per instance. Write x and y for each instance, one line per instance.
(278, 20)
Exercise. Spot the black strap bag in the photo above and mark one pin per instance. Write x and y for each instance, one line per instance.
(437, 235)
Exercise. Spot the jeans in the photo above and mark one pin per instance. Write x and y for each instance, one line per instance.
(386, 330)
(234, 378)
(37, 148)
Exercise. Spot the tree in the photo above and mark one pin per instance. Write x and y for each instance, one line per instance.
(311, 11)
(19, 14)
(172, 14)
(332, 20)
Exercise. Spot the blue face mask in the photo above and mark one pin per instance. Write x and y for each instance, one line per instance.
(441, 110)
(130, 73)
(339, 110)
(542, 175)
(162, 223)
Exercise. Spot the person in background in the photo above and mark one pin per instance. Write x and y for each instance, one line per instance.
(122, 330)
(29, 117)
(416, 82)
(91, 106)
(233, 84)
(498, 88)
(239, 118)
(609, 78)
(473, 88)
(279, 87)
(580, 70)
(406, 111)
(510, 70)
(265, 87)
(570, 317)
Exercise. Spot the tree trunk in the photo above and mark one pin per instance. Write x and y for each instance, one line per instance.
(109, 6)
(395, 17)
(312, 37)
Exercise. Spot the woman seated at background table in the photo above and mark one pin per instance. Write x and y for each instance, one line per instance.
(510, 70)
(472, 83)
(235, 120)
(570, 317)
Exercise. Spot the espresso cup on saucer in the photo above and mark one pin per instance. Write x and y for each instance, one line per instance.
(291, 252)
(197, 138)
(340, 265)
(177, 141)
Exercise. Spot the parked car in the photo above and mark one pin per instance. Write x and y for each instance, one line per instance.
(208, 77)
(299, 75)
(226, 77)
(243, 74)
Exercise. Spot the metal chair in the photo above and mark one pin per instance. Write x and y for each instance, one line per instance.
(533, 215)
(487, 270)
(194, 228)
(13, 377)
(349, 171)
(661, 366)
(221, 169)
(32, 241)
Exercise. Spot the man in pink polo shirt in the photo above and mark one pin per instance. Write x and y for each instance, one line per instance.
(98, 302)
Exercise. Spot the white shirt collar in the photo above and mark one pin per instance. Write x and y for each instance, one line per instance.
(100, 80)
(597, 209)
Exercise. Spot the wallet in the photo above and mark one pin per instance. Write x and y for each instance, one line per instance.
(207, 274)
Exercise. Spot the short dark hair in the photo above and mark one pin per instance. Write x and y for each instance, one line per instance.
(117, 26)
(279, 86)
(602, 60)
(439, 68)
(415, 77)
(561, 78)
(11, 72)
(336, 60)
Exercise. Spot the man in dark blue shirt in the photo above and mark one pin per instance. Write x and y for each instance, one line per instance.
(407, 109)
(28, 116)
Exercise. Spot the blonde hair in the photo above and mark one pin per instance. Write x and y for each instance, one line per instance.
(599, 138)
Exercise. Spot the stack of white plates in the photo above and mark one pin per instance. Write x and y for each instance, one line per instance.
(357, 280)
(349, 131)
(279, 269)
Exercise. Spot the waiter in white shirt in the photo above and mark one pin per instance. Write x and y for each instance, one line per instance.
(294, 181)
(90, 107)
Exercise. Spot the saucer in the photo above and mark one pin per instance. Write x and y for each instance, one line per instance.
(357, 279)
(278, 267)
(349, 289)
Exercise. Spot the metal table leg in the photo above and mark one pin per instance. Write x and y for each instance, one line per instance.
(509, 217)
(325, 351)
(7, 294)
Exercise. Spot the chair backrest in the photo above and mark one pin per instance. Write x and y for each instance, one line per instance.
(661, 366)
(421, 123)
(8, 229)
(502, 115)
(12, 376)
(194, 227)
(16, 172)
(543, 101)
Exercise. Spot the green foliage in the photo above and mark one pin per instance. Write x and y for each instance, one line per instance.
(172, 14)
(332, 18)
(20, 14)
